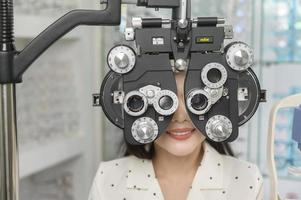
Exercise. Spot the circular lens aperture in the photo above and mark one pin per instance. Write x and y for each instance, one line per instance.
(199, 102)
(135, 103)
(214, 75)
(166, 102)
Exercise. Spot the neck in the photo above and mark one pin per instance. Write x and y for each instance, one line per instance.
(167, 165)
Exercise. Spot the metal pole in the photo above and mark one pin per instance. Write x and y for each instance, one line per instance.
(9, 166)
(183, 12)
(9, 161)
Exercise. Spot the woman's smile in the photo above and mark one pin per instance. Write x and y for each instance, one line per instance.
(180, 133)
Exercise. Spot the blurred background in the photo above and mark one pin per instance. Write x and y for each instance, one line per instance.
(63, 138)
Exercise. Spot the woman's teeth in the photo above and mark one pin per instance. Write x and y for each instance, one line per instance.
(180, 133)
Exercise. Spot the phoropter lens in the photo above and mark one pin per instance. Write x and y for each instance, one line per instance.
(214, 75)
(135, 103)
(166, 102)
(199, 102)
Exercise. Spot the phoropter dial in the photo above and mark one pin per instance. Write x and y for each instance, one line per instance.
(145, 130)
(219, 128)
(166, 102)
(214, 75)
(121, 59)
(240, 56)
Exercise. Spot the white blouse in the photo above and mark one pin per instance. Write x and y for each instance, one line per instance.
(219, 177)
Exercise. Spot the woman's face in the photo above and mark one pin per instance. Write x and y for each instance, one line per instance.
(181, 137)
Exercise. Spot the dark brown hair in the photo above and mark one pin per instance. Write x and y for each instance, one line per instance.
(141, 152)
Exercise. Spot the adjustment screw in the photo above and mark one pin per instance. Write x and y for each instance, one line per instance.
(181, 44)
(181, 65)
(225, 92)
(182, 23)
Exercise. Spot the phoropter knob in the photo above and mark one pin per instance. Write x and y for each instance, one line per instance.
(240, 56)
(121, 59)
(219, 128)
(145, 130)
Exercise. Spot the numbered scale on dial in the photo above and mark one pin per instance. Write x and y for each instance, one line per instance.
(214, 75)
(121, 59)
(145, 130)
(219, 128)
(240, 56)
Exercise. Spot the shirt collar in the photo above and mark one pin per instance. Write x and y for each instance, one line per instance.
(209, 175)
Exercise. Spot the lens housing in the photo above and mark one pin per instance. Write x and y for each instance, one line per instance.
(214, 75)
(166, 102)
(198, 102)
(135, 103)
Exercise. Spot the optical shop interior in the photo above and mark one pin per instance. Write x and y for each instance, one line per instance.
(214, 81)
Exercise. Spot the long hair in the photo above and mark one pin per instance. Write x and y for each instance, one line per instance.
(147, 151)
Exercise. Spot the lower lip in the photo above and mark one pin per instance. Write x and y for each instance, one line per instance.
(181, 137)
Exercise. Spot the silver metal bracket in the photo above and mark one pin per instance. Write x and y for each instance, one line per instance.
(229, 34)
(118, 97)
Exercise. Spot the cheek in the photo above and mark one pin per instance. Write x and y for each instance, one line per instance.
(200, 135)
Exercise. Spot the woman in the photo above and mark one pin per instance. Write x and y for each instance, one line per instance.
(179, 165)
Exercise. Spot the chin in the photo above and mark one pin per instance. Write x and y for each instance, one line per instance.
(179, 148)
(180, 152)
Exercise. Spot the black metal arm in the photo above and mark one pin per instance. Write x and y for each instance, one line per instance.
(14, 64)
